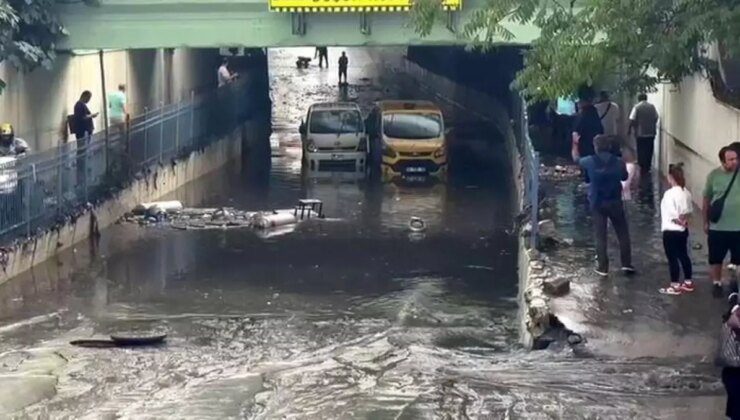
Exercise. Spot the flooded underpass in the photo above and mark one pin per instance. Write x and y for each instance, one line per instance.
(354, 316)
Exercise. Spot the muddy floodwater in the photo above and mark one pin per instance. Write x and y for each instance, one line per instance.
(354, 316)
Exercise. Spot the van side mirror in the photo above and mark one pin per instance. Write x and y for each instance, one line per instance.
(302, 128)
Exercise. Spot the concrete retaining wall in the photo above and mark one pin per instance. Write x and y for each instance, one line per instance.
(694, 125)
(162, 180)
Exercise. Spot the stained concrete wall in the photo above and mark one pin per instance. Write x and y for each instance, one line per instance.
(37, 103)
(694, 125)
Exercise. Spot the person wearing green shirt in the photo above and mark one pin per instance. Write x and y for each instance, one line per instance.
(117, 110)
(724, 235)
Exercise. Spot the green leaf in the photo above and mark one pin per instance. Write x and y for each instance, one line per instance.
(630, 44)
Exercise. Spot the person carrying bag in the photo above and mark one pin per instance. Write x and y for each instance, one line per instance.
(718, 205)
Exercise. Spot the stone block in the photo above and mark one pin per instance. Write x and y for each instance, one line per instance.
(557, 286)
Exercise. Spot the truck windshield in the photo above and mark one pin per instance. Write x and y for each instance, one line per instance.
(335, 122)
(412, 126)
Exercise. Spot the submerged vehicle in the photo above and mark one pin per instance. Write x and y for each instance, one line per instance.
(408, 139)
(333, 137)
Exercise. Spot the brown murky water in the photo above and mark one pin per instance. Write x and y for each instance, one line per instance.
(352, 317)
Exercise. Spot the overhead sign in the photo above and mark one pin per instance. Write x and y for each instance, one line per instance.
(351, 6)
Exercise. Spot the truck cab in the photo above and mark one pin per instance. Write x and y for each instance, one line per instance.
(333, 137)
(408, 139)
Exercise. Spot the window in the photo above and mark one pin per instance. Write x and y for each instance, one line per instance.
(335, 122)
(412, 126)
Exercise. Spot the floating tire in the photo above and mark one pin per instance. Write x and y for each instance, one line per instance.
(417, 224)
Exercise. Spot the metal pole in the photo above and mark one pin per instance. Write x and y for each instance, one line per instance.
(27, 192)
(161, 130)
(535, 199)
(60, 177)
(88, 139)
(192, 117)
(146, 135)
(177, 128)
(105, 106)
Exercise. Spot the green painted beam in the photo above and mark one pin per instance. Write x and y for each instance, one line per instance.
(123, 24)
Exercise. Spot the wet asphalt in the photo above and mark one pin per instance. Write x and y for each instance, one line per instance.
(351, 317)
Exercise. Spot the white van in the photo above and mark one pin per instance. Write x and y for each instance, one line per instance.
(333, 137)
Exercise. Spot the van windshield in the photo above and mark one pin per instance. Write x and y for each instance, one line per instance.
(412, 126)
(335, 122)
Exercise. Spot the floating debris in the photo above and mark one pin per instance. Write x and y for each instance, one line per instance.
(560, 172)
(173, 215)
(417, 224)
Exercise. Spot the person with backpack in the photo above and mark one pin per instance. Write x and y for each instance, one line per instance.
(586, 126)
(609, 114)
(675, 208)
(605, 172)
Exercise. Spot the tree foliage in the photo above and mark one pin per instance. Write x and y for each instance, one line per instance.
(629, 44)
(29, 31)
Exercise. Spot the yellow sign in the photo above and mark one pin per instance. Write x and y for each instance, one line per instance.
(350, 6)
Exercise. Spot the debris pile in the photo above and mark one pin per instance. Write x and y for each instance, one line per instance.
(173, 214)
(559, 172)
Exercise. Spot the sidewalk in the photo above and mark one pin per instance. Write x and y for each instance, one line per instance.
(626, 316)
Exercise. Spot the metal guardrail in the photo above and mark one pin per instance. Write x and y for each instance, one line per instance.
(530, 166)
(53, 186)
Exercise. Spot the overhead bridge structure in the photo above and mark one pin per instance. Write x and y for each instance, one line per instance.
(125, 24)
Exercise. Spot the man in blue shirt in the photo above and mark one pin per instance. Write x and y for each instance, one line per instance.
(605, 172)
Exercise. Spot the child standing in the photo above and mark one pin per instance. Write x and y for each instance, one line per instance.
(675, 208)
(632, 174)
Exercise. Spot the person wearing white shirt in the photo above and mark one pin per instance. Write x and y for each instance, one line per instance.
(224, 75)
(675, 208)
(609, 114)
(643, 123)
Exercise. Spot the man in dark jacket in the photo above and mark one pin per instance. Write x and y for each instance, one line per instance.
(586, 127)
(605, 172)
(83, 127)
(343, 63)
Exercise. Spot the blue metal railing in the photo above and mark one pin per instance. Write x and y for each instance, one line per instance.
(50, 187)
(530, 166)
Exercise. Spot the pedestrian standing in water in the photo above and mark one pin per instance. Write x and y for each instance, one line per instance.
(605, 173)
(609, 114)
(323, 54)
(586, 127)
(343, 63)
(675, 209)
(643, 123)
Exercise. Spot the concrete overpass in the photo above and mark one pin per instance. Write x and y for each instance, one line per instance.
(124, 24)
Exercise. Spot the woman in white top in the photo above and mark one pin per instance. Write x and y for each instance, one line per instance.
(675, 208)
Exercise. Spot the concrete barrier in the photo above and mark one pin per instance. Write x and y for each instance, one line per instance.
(160, 181)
